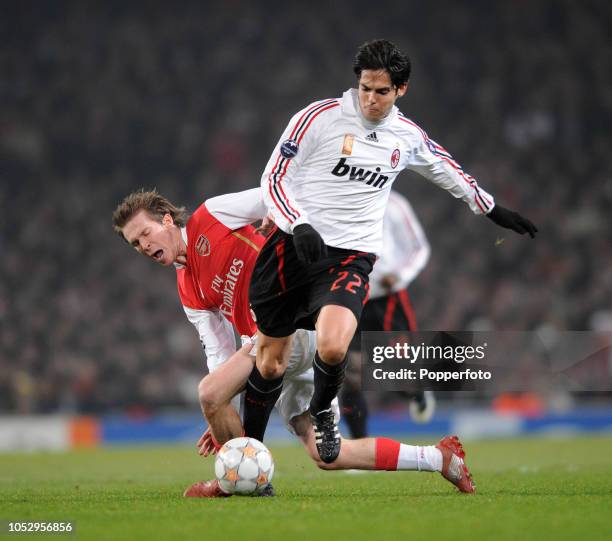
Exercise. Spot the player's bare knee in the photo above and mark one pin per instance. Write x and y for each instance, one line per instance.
(202, 390)
(271, 370)
(207, 394)
(331, 351)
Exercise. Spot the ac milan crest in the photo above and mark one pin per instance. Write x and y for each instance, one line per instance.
(395, 157)
(202, 246)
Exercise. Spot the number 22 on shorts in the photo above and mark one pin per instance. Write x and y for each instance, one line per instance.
(351, 284)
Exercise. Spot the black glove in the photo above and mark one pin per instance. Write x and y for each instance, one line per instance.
(512, 220)
(308, 244)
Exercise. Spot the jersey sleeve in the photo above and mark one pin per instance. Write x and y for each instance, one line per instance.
(235, 210)
(435, 163)
(216, 335)
(294, 146)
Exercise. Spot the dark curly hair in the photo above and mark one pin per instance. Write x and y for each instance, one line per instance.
(382, 54)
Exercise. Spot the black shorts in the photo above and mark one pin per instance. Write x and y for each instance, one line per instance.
(286, 294)
(389, 313)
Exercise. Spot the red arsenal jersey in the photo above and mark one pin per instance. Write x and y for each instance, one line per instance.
(219, 265)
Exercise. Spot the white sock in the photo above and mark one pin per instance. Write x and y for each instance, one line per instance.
(415, 457)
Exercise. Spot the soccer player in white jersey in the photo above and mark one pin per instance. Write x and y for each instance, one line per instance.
(404, 254)
(327, 184)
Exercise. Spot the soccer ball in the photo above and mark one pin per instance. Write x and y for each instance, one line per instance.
(244, 466)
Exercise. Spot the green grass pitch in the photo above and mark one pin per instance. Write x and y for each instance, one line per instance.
(527, 489)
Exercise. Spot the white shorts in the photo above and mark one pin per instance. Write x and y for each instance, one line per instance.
(298, 384)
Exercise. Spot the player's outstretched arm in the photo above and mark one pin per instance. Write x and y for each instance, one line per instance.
(216, 392)
(235, 210)
(512, 220)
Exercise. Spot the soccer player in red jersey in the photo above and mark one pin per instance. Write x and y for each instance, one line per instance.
(214, 253)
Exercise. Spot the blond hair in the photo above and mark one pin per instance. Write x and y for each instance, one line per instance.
(155, 204)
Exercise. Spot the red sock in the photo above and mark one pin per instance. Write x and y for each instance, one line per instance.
(387, 453)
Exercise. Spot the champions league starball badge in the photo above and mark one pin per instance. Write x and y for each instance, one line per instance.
(289, 149)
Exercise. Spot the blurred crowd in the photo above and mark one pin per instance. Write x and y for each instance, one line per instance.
(99, 99)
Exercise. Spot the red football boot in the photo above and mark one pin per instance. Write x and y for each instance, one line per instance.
(453, 466)
(205, 489)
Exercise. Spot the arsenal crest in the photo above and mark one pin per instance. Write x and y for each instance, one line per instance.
(395, 157)
(202, 246)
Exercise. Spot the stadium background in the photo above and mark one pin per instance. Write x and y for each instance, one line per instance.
(99, 99)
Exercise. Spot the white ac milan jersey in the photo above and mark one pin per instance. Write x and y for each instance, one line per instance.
(334, 170)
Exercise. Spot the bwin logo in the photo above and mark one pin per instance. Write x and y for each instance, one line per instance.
(369, 177)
